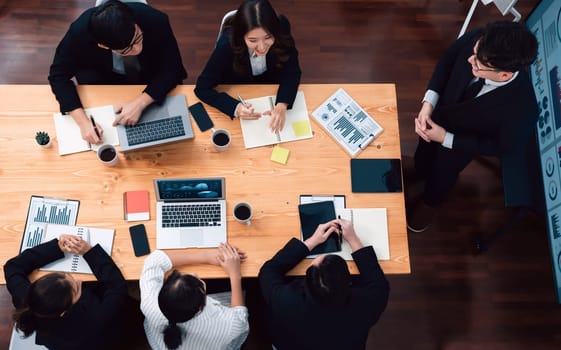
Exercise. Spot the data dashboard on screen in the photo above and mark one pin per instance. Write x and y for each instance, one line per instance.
(545, 23)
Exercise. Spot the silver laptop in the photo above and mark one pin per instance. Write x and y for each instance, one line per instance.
(190, 213)
(158, 124)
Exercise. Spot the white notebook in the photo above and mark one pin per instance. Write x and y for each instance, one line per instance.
(75, 262)
(68, 133)
(297, 126)
(371, 226)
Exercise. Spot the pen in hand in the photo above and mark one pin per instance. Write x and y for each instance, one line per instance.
(340, 231)
(95, 127)
(242, 101)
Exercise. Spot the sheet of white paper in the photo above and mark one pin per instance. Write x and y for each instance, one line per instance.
(68, 133)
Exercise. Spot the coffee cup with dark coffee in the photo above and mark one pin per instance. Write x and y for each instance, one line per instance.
(220, 139)
(107, 154)
(243, 213)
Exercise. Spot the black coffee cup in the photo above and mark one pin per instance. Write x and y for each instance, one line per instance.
(243, 212)
(107, 154)
(221, 139)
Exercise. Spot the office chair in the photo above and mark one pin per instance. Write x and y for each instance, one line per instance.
(523, 189)
(504, 6)
(99, 2)
(227, 19)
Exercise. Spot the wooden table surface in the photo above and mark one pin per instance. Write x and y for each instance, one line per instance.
(315, 166)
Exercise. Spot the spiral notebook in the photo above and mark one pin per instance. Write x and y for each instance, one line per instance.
(75, 262)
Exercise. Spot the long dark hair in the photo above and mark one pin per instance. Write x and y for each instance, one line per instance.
(180, 299)
(48, 297)
(258, 14)
(330, 282)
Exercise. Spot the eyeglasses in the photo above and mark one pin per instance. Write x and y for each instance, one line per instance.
(477, 68)
(135, 41)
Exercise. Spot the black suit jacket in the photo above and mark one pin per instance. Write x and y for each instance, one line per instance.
(93, 322)
(297, 322)
(499, 123)
(160, 60)
(493, 124)
(219, 70)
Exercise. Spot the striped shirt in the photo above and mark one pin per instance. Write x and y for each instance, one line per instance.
(216, 327)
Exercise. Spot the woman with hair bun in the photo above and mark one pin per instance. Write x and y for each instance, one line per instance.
(178, 312)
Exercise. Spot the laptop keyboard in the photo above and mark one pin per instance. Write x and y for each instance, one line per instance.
(191, 215)
(155, 130)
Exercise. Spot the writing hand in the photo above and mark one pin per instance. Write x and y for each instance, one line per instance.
(87, 130)
(246, 112)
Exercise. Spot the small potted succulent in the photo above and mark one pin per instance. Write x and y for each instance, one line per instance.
(43, 139)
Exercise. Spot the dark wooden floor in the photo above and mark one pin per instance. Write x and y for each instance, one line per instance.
(503, 299)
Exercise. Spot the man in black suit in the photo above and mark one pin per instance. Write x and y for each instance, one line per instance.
(479, 101)
(328, 309)
(116, 43)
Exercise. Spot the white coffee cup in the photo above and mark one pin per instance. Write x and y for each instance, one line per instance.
(220, 139)
(107, 154)
(243, 213)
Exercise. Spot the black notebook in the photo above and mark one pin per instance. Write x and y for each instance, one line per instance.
(376, 175)
(313, 214)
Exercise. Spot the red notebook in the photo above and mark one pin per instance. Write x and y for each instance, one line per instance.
(137, 205)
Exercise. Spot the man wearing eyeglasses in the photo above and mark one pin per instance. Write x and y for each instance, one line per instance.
(479, 101)
(116, 43)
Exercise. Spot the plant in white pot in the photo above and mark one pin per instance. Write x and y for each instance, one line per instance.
(43, 139)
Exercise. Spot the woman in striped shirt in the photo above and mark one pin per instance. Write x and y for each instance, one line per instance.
(178, 312)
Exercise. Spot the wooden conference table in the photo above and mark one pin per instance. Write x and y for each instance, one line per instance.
(315, 166)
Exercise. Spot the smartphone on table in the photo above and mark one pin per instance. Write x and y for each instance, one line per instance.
(139, 240)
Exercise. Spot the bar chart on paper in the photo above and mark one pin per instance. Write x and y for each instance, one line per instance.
(43, 211)
(345, 120)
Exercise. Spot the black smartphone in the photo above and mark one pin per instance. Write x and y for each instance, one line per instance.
(139, 240)
(201, 116)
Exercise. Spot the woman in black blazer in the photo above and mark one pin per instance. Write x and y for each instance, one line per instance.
(64, 314)
(255, 48)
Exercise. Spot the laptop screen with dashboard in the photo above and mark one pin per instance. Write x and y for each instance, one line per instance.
(189, 190)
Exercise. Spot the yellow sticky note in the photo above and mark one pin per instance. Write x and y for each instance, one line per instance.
(301, 128)
(280, 155)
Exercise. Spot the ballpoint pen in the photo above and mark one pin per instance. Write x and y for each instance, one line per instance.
(340, 231)
(242, 101)
(95, 126)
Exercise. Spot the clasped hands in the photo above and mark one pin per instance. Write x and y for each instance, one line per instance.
(426, 128)
(73, 244)
(278, 115)
(229, 257)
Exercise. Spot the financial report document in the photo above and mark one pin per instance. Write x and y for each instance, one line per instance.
(347, 122)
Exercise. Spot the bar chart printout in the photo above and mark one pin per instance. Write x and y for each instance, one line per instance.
(43, 211)
(347, 122)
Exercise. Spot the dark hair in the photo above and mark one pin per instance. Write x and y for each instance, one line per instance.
(330, 282)
(112, 24)
(507, 46)
(258, 14)
(48, 297)
(180, 299)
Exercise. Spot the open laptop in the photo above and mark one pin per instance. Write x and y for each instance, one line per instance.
(158, 124)
(190, 213)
